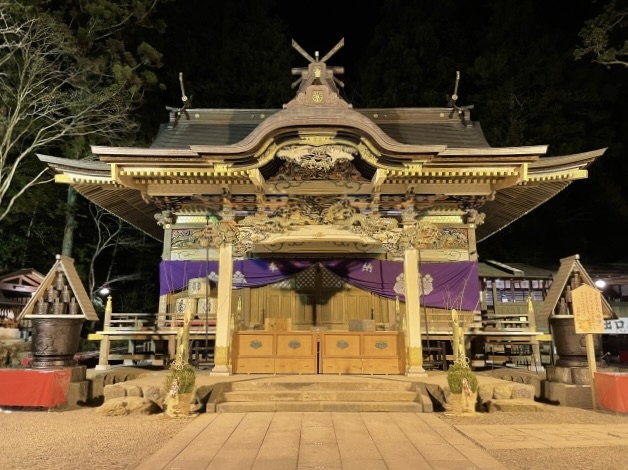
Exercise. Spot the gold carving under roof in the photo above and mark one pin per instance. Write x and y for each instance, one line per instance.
(323, 162)
(312, 210)
(368, 154)
(321, 158)
(421, 235)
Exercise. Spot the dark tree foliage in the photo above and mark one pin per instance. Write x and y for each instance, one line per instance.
(112, 41)
(231, 54)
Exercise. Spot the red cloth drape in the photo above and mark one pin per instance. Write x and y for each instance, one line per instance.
(30, 387)
(611, 389)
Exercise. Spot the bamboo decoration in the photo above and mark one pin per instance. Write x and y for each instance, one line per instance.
(458, 340)
(181, 379)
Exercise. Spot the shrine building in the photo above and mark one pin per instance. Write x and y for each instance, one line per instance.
(315, 237)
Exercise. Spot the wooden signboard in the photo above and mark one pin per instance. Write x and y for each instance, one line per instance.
(588, 319)
(587, 309)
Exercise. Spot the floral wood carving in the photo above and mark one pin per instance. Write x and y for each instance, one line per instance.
(322, 162)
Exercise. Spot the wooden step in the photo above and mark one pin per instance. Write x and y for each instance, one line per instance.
(325, 393)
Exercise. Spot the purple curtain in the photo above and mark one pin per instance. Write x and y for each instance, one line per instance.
(445, 285)
(174, 275)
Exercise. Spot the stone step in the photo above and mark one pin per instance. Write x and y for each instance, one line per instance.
(306, 406)
(382, 385)
(515, 405)
(319, 395)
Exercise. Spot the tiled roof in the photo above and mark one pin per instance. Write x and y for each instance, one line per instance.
(226, 127)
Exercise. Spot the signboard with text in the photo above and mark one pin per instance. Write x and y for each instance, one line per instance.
(587, 309)
(616, 327)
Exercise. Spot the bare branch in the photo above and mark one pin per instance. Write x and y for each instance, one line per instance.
(121, 25)
(111, 233)
(47, 95)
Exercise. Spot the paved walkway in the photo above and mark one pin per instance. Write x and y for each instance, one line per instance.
(544, 436)
(356, 441)
(317, 440)
(360, 441)
(303, 441)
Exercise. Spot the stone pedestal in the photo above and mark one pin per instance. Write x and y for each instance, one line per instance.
(569, 386)
(79, 386)
(577, 396)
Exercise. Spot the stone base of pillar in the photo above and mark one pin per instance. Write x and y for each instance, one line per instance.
(220, 370)
(416, 371)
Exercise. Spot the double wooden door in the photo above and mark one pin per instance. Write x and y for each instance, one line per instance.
(317, 297)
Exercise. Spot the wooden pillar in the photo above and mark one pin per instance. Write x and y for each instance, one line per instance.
(105, 343)
(103, 356)
(414, 354)
(108, 313)
(223, 313)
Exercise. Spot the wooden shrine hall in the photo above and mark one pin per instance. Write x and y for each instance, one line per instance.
(315, 237)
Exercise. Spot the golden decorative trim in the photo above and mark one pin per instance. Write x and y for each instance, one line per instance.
(221, 355)
(267, 154)
(222, 169)
(368, 154)
(191, 219)
(415, 356)
(317, 140)
(414, 169)
(558, 176)
(444, 219)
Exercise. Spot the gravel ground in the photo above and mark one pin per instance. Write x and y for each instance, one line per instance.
(569, 458)
(82, 439)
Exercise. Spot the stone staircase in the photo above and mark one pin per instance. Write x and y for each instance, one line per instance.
(319, 393)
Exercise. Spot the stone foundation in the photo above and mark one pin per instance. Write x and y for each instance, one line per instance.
(569, 386)
(577, 396)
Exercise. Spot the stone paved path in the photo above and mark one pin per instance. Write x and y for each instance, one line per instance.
(361, 441)
(529, 436)
(320, 440)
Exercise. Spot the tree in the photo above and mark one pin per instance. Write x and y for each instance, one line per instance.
(107, 36)
(112, 236)
(601, 36)
(47, 94)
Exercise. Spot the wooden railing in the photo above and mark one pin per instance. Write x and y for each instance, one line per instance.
(149, 337)
(130, 322)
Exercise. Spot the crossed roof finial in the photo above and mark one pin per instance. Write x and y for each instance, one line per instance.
(327, 56)
(318, 70)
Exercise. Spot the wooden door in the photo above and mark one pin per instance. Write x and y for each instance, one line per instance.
(318, 297)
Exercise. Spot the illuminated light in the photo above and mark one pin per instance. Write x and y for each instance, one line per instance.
(601, 283)
(104, 291)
